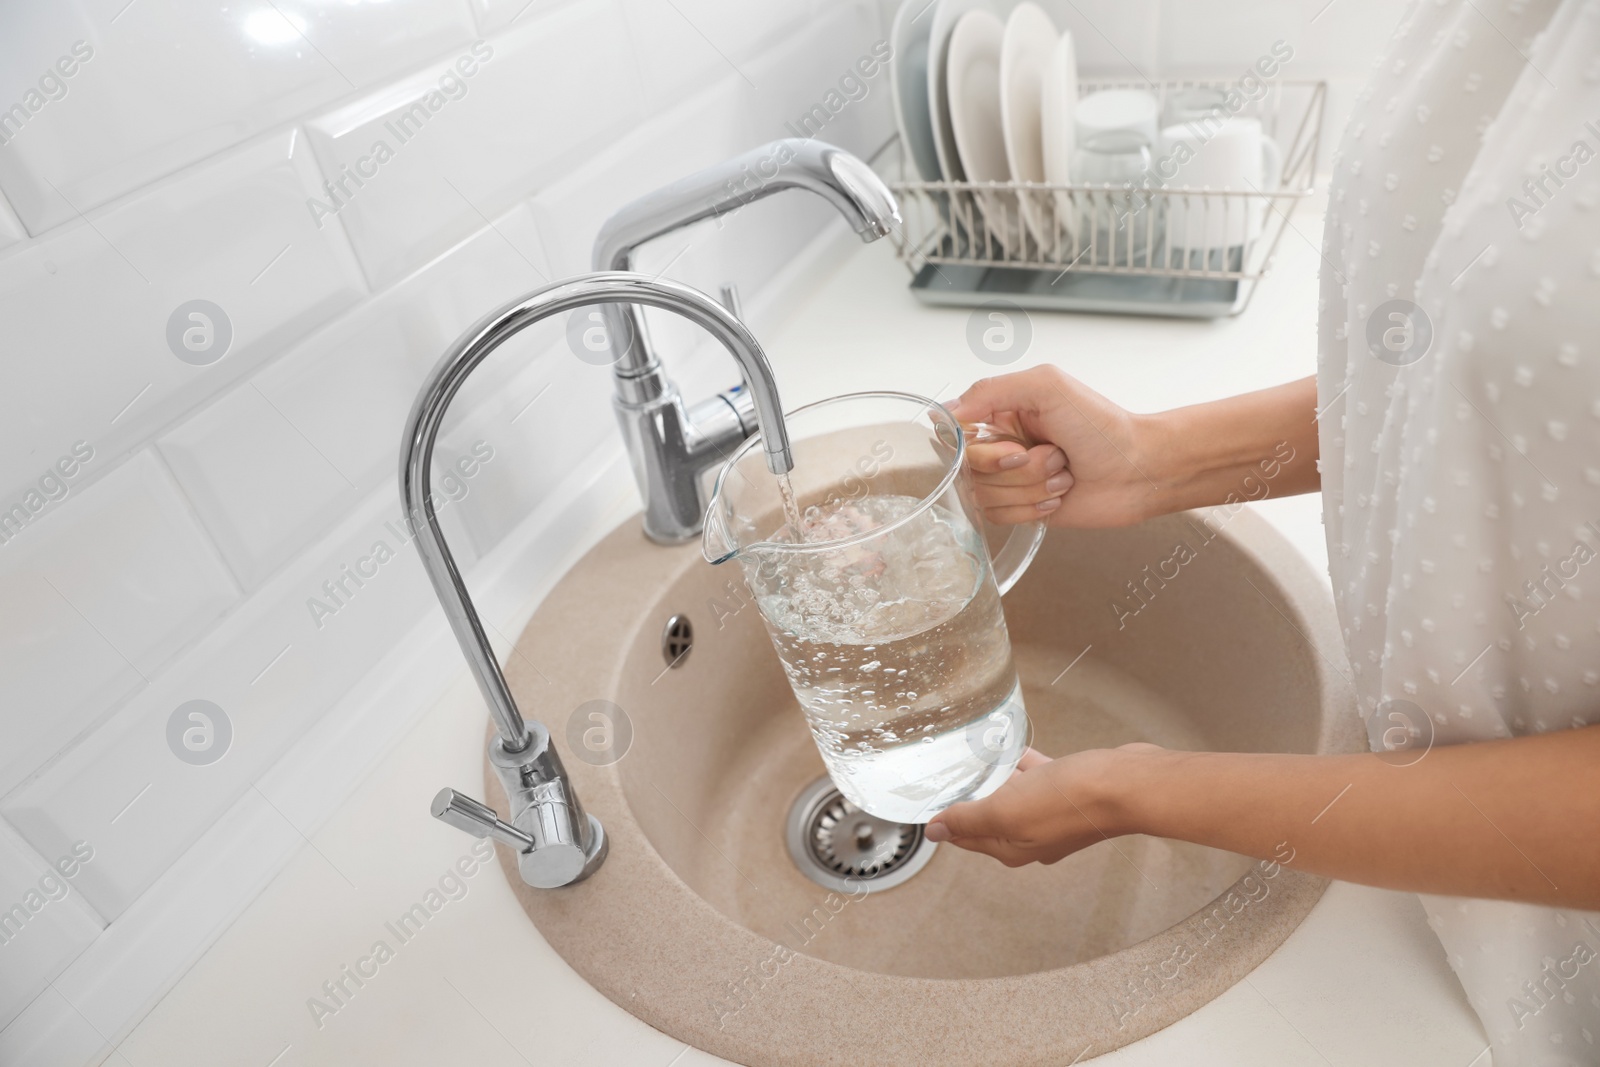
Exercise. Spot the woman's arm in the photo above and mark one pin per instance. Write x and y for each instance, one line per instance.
(1516, 819)
(1209, 450)
(1097, 465)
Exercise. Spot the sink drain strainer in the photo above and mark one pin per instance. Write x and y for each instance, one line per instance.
(839, 846)
(677, 640)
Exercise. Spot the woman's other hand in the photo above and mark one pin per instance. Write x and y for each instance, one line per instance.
(1046, 811)
(1085, 471)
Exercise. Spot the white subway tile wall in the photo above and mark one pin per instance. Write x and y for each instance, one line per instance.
(106, 589)
(245, 846)
(431, 157)
(44, 924)
(87, 304)
(11, 230)
(272, 666)
(1336, 41)
(233, 241)
(145, 90)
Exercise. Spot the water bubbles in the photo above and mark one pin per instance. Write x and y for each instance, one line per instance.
(895, 646)
(900, 584)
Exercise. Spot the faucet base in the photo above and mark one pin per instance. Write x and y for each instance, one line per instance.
(555, 869)
(673, 449)
(563, 843)
(595, 854)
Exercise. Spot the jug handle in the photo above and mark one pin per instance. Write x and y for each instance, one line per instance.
(1025, 538)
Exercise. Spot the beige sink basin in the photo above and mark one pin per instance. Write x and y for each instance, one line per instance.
(702, 925)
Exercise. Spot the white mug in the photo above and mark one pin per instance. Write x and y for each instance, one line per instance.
(1115, 110)
(1115, 223)
(1195, 102)
(1217, 154)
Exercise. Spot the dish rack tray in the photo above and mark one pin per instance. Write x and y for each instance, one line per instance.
(1105, 248)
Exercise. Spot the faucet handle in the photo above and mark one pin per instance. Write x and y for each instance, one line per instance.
(730, 300)
(556, 849)
(477, 819)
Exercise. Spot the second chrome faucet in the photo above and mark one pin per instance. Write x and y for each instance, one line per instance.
(672, 446)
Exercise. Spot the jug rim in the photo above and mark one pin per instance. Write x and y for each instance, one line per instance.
(754, 441)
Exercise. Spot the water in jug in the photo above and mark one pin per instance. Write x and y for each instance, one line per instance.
(870, 566)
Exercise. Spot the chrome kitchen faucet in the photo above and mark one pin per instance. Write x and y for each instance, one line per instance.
(672, 447)
(556, 841)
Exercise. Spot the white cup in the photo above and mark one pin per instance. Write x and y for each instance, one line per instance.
(1115, 221)
(1195, 102)
(1116, 110)
(1216, 154)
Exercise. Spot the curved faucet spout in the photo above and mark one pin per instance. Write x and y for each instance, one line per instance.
(793, 163)
(559, 843)
(832, 173)
(470, 349)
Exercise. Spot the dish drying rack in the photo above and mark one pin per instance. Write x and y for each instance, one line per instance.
(1104, 248)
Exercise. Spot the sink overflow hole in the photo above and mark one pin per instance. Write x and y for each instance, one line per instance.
(839, 846)
(677, 640)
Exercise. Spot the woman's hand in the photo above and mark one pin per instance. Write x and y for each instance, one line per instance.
(1512, 819)
(1086, 469)
(1046, 811)
(1098, 465)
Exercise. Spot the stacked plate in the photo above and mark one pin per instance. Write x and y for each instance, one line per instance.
(982, 100)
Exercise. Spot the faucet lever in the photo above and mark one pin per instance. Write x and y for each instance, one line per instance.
(477, 819)
(730, 300)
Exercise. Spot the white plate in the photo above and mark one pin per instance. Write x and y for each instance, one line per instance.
(1058, 99)
(945, 15)
(1030, 40)
(973, 81)
(913, 24)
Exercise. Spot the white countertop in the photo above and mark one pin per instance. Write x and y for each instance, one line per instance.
(1362, 981)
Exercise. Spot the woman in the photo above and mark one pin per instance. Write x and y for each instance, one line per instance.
(1456, 414)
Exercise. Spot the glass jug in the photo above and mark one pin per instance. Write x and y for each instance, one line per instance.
(887, 614)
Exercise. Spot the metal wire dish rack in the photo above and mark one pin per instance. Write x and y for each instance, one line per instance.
(1149, 247)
